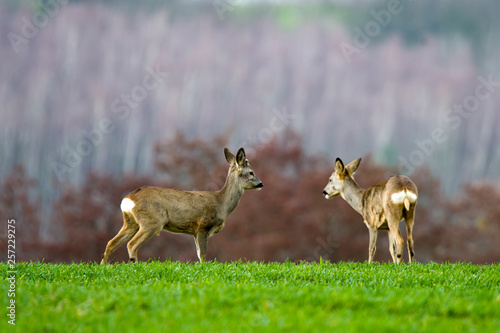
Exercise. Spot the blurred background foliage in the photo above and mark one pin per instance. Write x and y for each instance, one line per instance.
(269, 76)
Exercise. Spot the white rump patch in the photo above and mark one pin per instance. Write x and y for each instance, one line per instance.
(399, 197)
(411, 196)
(127, 205)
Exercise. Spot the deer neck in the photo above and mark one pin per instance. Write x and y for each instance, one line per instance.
(353, 194)
(230, 194)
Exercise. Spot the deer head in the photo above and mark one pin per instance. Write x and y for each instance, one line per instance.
(337, 181)
(240, 167)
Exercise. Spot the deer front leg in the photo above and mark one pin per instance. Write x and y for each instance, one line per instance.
(373, 244)
(201, 239)
(409, 219)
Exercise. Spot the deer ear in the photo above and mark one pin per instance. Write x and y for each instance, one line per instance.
(339, 166)
(229, 156)
(241, 157)
(353, 166)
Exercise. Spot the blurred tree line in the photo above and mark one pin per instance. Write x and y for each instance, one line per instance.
(94, 84)
(288, 219)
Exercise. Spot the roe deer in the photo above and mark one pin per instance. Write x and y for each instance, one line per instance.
(382, 206)
(148, 210)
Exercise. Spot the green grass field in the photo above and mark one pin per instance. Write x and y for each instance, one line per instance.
(246, 297)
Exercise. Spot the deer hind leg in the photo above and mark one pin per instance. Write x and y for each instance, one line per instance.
(142, 236)
(395, 239)
(129, 229)
(409, 220)
(373, 244)
(391, 246)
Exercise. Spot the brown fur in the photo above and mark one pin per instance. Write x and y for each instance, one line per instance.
(196, 213)
(377, 207)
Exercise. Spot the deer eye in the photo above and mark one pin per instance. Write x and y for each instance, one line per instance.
(252, 174)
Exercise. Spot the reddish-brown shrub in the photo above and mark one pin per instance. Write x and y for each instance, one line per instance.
(288, 219)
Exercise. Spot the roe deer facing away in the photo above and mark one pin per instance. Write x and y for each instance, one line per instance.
(148, 210)
(382, 206)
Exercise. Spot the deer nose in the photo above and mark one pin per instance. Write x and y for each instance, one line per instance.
(260, 185)
(325, 193)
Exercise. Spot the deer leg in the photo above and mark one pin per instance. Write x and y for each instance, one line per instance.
(391, 246)
(141, 237)
(409, 220)
(373, 244)
(201, 240)
(397, 241)
(129, 229)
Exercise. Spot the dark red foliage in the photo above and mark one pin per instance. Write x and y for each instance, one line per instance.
(288, 219)
(19, 202)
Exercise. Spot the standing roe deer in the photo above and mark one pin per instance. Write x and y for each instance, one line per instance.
(382, 206)
(148, 210)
